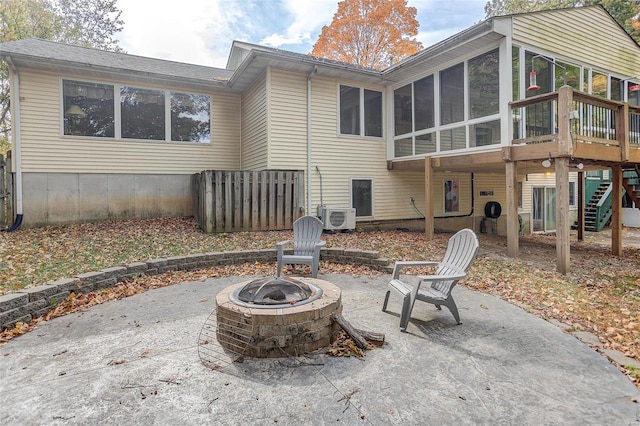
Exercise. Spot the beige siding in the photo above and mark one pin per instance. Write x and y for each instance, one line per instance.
(254, 126)
(342, 158)
(45, 150)
(604, 45)
(288, 120)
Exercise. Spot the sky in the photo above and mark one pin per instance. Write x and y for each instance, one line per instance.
(201, 31)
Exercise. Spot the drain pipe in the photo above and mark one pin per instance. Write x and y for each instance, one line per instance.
(309, 151)
(17, 148)
(321, 200)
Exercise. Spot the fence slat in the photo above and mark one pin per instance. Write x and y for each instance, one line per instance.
(288, 208)
(207, 181)
(246, 201)
(280, 200)
(298, 195)
(228, 201)
(3, 192)
(272, 201)
(218, 189)
(255, 201)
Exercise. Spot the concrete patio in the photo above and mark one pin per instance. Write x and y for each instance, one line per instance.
(135, 361)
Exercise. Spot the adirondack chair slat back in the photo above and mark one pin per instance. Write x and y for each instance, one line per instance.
(307, 231)
(461, 251)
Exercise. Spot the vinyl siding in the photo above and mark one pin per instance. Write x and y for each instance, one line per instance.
(288, 120)
(254, 126)
(45, 150)
(490, 182)
(604, 46)
(342, 158)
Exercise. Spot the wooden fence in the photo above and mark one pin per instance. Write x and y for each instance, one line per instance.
(6, 189)
(227, 201)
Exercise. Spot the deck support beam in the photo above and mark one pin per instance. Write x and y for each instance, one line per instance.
(616, 210)
(581, 190)
(563, 226)
(429, 222)
(513, 227)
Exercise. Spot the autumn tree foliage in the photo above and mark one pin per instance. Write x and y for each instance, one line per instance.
(370, 33)
(625, 12)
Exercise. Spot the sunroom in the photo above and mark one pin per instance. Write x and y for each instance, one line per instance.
(505, 99)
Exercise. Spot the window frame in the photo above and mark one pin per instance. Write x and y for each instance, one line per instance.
(63, 112)
(117, 112)
(407, 143)
(362, 114)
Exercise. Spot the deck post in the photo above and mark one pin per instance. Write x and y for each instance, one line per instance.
(616, 210)
(565, 105)
(622, 131)
(581, 189)
(562, 215)
(428, 198)
(512, 209)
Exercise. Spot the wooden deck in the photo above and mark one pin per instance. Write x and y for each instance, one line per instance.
(567, 128)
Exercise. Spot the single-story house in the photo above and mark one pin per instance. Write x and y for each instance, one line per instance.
(458, 133)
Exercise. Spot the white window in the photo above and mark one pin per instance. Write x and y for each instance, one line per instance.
(142, 113)
(358, 105)
(89, 109)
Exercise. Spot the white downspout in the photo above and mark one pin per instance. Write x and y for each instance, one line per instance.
(309, 151)
(17, 147)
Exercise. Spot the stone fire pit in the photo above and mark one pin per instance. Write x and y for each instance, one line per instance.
(281, 326)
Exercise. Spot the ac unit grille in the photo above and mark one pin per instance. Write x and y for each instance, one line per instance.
(337, 218)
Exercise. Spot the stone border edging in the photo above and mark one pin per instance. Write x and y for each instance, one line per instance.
(33, 302)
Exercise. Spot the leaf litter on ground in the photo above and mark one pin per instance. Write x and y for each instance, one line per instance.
(601, 295)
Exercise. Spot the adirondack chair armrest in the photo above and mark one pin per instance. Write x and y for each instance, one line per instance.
(280, 246)
(317, 247)
(450, 277)
(399, 265)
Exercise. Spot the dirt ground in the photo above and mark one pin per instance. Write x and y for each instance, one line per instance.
(541, 248)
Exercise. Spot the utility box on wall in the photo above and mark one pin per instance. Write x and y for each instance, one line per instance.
(338, 218)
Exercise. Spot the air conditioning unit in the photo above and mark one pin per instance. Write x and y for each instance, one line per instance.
(338, 218)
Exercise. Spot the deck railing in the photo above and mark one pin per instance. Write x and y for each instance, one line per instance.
(571, 118)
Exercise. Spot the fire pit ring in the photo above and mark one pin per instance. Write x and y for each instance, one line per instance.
(278, 330)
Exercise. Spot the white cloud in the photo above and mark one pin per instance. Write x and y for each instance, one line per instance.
(181, 33)
(201, 31)
(308, 20)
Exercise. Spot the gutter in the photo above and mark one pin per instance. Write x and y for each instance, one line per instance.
(17, 147)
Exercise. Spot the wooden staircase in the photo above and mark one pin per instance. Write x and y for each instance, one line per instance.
(597, 213)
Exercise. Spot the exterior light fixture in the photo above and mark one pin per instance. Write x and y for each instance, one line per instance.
(548, 162)
(532, 75)
(579, 166)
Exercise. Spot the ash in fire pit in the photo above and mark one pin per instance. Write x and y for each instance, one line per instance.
(275, 293)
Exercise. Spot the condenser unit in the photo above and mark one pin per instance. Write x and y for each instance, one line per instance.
(338, 218)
